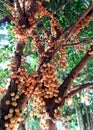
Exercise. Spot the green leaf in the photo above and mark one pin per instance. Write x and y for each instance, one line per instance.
(0, 59)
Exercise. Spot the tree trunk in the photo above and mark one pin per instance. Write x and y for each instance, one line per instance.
(52, 125)
(40, 128)
(27, 125)
(61, 126)
(87, 116)
(22, 127)
(80, 120)
(91, 121)
(2, 127)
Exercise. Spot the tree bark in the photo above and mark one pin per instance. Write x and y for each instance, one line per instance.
(82, 120)
(87, 116)
(74, 73)
(78, 118)
(22, 127)
(2, 127)
(91, 121)
(52, 125)
(79, 88)
(4, 108)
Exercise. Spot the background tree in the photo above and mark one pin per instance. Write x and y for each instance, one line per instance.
(51, 69)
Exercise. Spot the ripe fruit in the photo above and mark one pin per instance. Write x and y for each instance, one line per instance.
(7, 102)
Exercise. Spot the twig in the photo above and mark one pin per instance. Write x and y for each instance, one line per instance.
(61, 7)
(28, 113)
(84, 42)
(24, 7)
(6, 3)
(7, 18)
(19, 9)
(2, 10)
(11, 4)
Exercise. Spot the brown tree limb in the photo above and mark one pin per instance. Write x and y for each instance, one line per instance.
(67, 83)
(63, 41)
(19, 9)
(74, 27)
(27, 115)
(2, 10)
(84, 42)
(74, 92)
(79, 89)
(90, 88)
(74, 73)
(6, 3)
(7, 18)
(24, 7)
(22, 127)
(59, 8)
(79, 19)
(39, 45)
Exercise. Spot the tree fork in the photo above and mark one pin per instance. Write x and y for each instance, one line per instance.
(70, 78)
(63, 41)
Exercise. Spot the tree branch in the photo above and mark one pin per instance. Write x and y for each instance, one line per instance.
(7, 18)
(84, 42)
(2, 10)
(6, 3)
(26, 116)
(62, 6)
(79, 89)
(74, 27)
(74, 92)
(63, 41)
(69, 79)
(79, 19)
(75, 71)
(19, 9)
